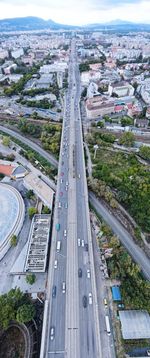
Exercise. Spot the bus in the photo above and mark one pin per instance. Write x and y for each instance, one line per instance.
(107, 325)
(58, 246)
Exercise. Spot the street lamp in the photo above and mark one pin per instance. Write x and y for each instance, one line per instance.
(95, 148)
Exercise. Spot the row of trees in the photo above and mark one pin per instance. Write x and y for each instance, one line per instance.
(135, 290)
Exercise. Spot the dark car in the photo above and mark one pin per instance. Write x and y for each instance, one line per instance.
(80, 272)
(84, 301)
(86, 247)
(54, 292)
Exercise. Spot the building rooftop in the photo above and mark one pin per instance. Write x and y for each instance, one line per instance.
(41, 189)
(38, 244)
(135, 324)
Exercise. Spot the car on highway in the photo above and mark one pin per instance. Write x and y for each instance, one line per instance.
(61, 180)
(54, 291)
(90, 299)
(62, 174)
(80, 272)
(59, 204)
(66, 187)
(57, 226)
(66, 205)
(55, 264)
(61, 193)
(86, 247)
(67, 183)
(79, 242)
(82, 243)
(105, 302)
(88, 273)
(63, 287)
(65, 232)
(52, 333)
(84, 301)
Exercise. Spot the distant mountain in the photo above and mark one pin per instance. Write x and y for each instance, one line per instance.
(30, 23)
(36, 23)
(119, 25)
(119, 22)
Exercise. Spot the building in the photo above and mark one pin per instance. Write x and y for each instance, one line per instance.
(11, 217)
(135, 324)
(121, 89)
(12, 169)
(40, 188)
(141, 123)
(17, 53)
(116, 294)
(38, 244)
(104, 105)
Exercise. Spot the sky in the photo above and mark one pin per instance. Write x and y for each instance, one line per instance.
(78, 12)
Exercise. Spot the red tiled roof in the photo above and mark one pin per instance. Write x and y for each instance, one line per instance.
(6, 169)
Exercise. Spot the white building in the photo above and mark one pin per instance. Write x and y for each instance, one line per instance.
(17, 53)
(121, 89)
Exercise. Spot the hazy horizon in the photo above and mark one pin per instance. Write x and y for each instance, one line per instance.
(75, 12)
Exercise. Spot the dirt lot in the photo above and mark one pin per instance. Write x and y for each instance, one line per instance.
(12, 344)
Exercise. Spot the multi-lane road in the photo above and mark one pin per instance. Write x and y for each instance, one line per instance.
(73, 325)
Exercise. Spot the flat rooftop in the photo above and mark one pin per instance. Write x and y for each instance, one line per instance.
(40, 188)
(38, 244)
(135, 324)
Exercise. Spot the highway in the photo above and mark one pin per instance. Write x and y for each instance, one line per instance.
(73, 325)
(134, 250)
(75, 328)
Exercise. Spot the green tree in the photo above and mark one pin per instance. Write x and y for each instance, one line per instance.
(25, 313)
(127, 139)
(30, 278)
(126, 121)
(46, 210)
(30, 194)
(6, 141)
(32, 211)
(145, 152)
(13, 240)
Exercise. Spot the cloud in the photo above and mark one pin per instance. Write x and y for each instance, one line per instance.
(78, 12)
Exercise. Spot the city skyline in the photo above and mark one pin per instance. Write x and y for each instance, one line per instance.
(76, 12)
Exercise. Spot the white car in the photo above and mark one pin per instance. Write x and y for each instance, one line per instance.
(88, 273)
(65, 232)
(52, 333)
(55, 264)
(59, 204)
(90, 299)
(79, 242)
(61, 180)
(82, 243)
(63, 287)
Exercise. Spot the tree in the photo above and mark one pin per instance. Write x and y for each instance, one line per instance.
(9, 303)
(6, 141)
(13, 240)
(30, 194)
(46, 210)
(30, 278)
(100, 124)
(25, 313)
(145, 152)
(126, 121)
(32, 211)
(127, 139)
